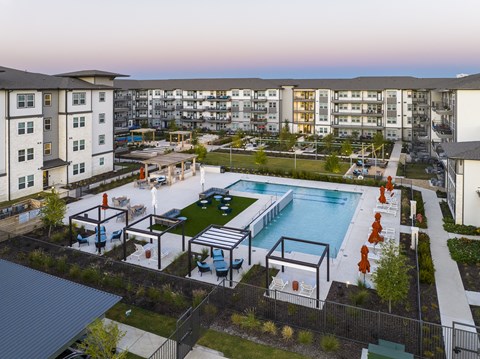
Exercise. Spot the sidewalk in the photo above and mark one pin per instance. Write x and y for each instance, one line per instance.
(391, 169)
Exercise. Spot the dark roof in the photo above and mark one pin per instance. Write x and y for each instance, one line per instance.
(91, 73)
(57, 162)
(199, 84)
(470, 82)
(462, 150)
(41, 314)
(11, 79)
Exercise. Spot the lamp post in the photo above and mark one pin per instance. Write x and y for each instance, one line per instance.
(230, 158)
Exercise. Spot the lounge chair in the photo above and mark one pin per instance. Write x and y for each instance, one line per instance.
(82, 240)
(139, 251)
(102, 229)
(385, 209)
(218, 255)
(221, 272)
(278, 284)
(237, 264)
(203, 268)
(306, 290)
(154, 256)
(116, 235)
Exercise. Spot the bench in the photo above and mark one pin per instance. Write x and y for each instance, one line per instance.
(213, 191)
(173, 213)
(382, 352)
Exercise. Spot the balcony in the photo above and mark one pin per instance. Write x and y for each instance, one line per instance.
(219, 120)
(442, 129)
(304, 110)
(193, 119)
(300, 98)
(259, 110)
(121, 109)
(141, 95)
(419, 100)
(259, 99)
(123, 98)
(194, 98)
(218, 98)
(258, 121)
(346, 124)
(164, 108)
(442, 108)
(193, 109)
(357, 100)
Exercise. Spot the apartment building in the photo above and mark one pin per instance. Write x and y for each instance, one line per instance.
(54, 130)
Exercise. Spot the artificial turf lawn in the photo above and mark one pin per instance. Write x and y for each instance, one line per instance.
(198, 219)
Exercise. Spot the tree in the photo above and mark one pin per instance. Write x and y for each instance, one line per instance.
(172, 126)
(102, 340)
(355, 134)
(237, 141)
(200, 151)
(332, 163)
(391, 278)
(260, 157)
(346, 148)
(53, 211)
(328, 141)
(287, 138)
(194, 141)
(378, 140)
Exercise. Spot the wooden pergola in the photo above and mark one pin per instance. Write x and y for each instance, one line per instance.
(170, 161)
(143, 131)
(181, 136)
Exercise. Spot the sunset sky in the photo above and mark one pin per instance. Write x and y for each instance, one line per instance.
(247, 38)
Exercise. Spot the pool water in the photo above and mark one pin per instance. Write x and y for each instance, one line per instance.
(314, 214)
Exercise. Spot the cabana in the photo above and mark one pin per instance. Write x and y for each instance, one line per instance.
(298, 264)
(83, 217)
(169, 222)
(226, 238)
(143, 131)
(181, 136)
(170, 161)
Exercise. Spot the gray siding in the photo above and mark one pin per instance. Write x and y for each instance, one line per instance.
(52, 135)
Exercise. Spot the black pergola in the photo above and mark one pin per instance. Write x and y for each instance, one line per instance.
(226, 238)
(169, 222)
(83, 217)
(294, 263)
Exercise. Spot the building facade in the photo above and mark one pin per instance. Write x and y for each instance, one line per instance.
(54, 130)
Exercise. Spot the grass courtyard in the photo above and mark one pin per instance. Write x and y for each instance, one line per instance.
(198, 219)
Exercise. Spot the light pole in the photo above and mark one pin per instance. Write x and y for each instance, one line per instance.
(230, 158)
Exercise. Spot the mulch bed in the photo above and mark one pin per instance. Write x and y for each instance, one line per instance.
(476, 314)
(470, 274)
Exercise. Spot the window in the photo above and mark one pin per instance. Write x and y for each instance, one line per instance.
(25, 127)
(235, 93)
(323, 118)
(101, 161)
(78, 145)
(355, 94)
(30, 154)
(272, 93)
(343, 94)
(21, 155)
(157, 92)
(371, 94)
(26, 100)
(391, 94)
(356, 107)
(323, 93)
(179, 93)
(27, 181)
(78, 168)
(47, 99)
(272, 104)
(47, 148)
(355, 120)
(323, 105)
(101, 97)
(78, 122)
(247, 93)
(235, 115)
(47, 123)
(79, 98)
(247, 104)
(101, 139)
(101, 118)
(392, 120)
(392, 107)
(21, 128)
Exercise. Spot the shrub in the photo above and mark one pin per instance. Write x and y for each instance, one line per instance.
(140, 291)
(237, 319)
(61, 264)
(464, 250)
(329, 343)
(38, 258)
(287, 333)
(450, 226)
(58, 237)
(250, 322)
(75, 271)
(91, 275)
(425, 262)
(269, 327)
(359, 297)
(154, 294)
(305, 337)
(210, 310)
(198, 296)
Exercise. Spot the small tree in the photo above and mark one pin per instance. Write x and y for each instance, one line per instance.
(237, 141)
(287, 138)
(332, 163)
(172, 126)
(347, 148)
(102, 340)
(260, 157)
(53, 211)
(391, 277)
(355, 135)
(378, 140)
(200, 151)
(328, 141)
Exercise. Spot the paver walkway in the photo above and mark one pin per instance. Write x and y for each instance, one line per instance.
(391, 169)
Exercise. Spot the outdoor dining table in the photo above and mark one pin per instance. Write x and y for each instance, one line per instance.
(220, 264)
(204, 203)
(224, 209)
(218, 197)
(227, 200)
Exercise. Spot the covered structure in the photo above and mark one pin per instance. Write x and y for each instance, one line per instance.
(42, 315)
(170, 223)
(271, 259)
(143, 131)
(226, 238)
(180, 137)
(85, 218)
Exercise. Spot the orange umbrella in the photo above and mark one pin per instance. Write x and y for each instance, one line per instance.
(364, 264)
(142, 173)
(105, 201)
(377, 224)
(389, 184)
(375, 236)
(378, 216)
(382, 198)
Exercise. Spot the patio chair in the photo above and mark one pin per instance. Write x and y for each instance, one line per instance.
(139, 251)
(82, 240)
(278, 284)
(237, 264)
(306, 289)
(221, 272)
(218, 255)
(102, 229)
(116, 235)
(154, 256)
(203, 268)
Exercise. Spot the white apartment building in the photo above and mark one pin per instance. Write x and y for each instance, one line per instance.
(54, 130)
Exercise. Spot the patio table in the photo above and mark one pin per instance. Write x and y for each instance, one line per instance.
(204, 203)
(224, 209)
(217, 197)
(220, 264)
(227, 200)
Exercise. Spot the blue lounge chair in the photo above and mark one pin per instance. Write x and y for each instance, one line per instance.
(116, 235)
(82, 240)
(237, 264)
(218, 255)
(102, 229)
(203, 268)
(221, 272)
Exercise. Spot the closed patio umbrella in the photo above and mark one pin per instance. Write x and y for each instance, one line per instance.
(142, 173)
(154, 199)
(364, 264)
(389, 185)
(202, 177)
(104, 203)
(382, 198)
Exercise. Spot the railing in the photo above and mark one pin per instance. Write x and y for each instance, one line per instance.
(266, 206)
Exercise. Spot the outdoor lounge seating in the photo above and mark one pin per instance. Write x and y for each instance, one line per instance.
(213, 191)
(218, 255)
(237, 264)
(221, 272)
(306, 290)
(387, 209)
(154, 257)
(278, 284)
(102, 229)
(82, 240)
(136, 211)
(120, 201)
(173, 213)
(203, 268)
(116, 235)
(139, 251)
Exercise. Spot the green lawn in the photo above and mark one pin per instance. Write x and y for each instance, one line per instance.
(414, 171)
(133, 356)
(198, 219)
(273, 163)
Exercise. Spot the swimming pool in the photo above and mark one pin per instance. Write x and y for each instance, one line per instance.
(314, 214)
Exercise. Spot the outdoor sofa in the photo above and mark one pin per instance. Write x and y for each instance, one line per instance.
(212, 192)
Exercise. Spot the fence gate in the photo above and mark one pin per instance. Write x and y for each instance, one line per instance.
(188, 332)
(465, 341)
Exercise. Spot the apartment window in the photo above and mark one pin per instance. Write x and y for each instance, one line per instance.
(247, 93)
(21, 155)
(356, 94)
(343, 94)
(101, 161)
(343, 107)
(78, 168)
(371, 94)
(47, 99)
(47, 123)
(371, 120)
(190, 93)
(47, 148)
(272, 104)
(272, 93)
(261, 93)
(101, 97)
(391, 120)
(179, 93)
(78, 145)
(235, 93)
(391, 94)
(343, 119)
(356, 107)
(78, 122)
(235, 115)
(355, 120)
(322, 130)
(235, 104)
(101, 118)
(409, 107)
(25, 181)
(323, 93)
(157, 93)
(25, 127)
(392, 107)
(323, 106)
(101, 139)
(323, 118)
(26, 100)
(30, 154)
(246, 115)
(79, 98)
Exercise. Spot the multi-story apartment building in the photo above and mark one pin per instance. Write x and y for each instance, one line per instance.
(54, 130)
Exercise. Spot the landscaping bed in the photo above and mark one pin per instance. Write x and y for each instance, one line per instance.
(476, 314)
(466, 252)
(257, 275)
(421, 221)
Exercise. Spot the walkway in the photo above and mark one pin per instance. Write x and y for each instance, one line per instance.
(392, 165)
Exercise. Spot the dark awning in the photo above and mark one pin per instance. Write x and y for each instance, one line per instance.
(57, 162)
